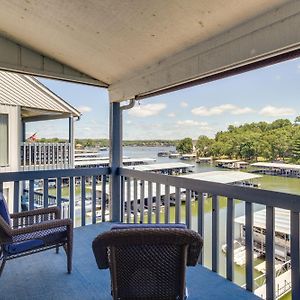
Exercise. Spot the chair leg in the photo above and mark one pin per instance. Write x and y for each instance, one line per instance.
(2, 266)
(69, 257)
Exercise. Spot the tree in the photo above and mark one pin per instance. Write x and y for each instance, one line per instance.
(296, 149)
(297, 120)
(185, 146)
(203, 145)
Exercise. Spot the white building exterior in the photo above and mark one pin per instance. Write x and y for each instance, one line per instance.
(24, 99)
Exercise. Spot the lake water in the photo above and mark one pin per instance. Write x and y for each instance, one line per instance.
(274, 183)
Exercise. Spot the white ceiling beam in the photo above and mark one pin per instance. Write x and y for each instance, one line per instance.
(17, 58)
(269, 35)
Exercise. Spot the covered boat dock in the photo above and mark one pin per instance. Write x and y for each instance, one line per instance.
(279, 169)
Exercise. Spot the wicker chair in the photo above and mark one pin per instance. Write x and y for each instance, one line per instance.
(147, 262)
(33, 231)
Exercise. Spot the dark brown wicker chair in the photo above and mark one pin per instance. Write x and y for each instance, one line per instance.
(34, 231)
(147, 263)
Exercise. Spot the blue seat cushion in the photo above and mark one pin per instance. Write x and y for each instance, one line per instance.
(4, 210)
(145, 226)
(23, 246)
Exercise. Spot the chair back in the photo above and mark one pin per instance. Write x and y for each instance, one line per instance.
(147, 263)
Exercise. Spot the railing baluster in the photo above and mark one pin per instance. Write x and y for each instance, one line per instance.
(94, 195)
(270, 272)
(103, 198)
(30, 156)
(177, 205)
(295, 252)
(215, 233)
(150, 199)
(71, 200)
(122, 199)
(1, 187)
(128, 203)
(249, 246)
(201, 199)
(46, 192)
(58, 192)
(142, 200)
(188, 214)
(167, 204)
(157, 203)
(229, 239)
(16, 196)
(135, 200)
(31, 195)
(83, 201)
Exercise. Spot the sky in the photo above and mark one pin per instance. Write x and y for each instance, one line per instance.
(264, 94)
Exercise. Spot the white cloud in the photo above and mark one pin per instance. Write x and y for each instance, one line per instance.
(183, 104)
(171, 115)
(218, 110)
(272, 111)
(147, 110)
(242, 110)
(191, 123)
(84, 109)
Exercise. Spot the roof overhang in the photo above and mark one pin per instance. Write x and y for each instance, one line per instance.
(141, 48)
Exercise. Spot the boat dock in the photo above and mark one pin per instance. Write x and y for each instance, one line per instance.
(188, 156)
(277, 169)
(229, 177)
(165, 168)
(283, 280)
(231, 164)
(205, 160)
(82, 162)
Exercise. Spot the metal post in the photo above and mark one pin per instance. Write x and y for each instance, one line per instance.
(115, 160)
(71, 141)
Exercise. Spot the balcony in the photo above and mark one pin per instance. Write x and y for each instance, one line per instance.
(43, 156)
(46, 278)
(77, 192)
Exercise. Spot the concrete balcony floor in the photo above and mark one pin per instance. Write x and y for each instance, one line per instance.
(44, 276)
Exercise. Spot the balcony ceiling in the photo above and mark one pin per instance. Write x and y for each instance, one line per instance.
(123, 44)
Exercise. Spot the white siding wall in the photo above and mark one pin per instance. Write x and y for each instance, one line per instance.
(14, 139)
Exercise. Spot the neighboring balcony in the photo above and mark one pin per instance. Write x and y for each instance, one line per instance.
(45, 156)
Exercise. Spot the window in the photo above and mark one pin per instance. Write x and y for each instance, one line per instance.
(3, 140)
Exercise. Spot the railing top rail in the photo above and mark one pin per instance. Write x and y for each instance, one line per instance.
(45, 174)
(44, 143)
(258, 196)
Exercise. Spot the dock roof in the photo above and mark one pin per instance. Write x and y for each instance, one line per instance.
(226, 160)
(282, 220)
(33, 97)
(223, 176)
(276, 165)
(99, 161)
(162, 166)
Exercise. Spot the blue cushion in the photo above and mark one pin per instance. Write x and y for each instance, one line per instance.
(19, 247)
(4, 210)
(131, 226)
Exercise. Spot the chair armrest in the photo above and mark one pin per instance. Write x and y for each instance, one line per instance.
(43, 226)
(5, 231)
(41, 211)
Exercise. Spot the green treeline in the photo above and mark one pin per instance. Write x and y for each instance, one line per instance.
(94, 143)
(265, 141)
